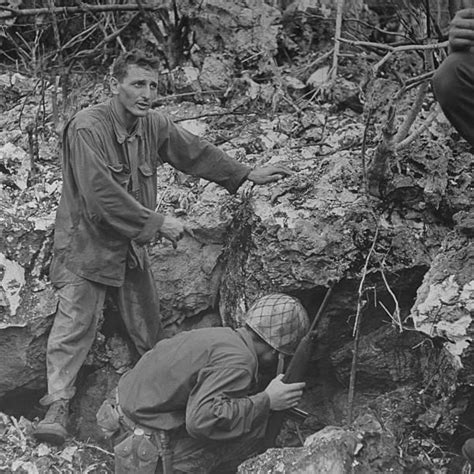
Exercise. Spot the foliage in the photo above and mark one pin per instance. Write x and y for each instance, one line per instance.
(21, 454)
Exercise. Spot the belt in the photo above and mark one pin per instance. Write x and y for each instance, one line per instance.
(130, 424)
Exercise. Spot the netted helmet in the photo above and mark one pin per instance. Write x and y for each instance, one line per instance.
(280, 320)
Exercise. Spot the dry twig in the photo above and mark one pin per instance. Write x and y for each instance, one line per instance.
(99, 449)
(107, 39)
(396, 49)
(356, 330)
(391, 50)
(415, 134)
(14, 12)
(316, 62)
(363, 150)
(337, 38)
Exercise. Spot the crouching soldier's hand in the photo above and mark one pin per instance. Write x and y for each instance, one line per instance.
(284, 395)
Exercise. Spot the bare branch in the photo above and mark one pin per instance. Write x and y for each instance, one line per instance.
(337, 44)
(10, 12)
(412, 114)
(396, 49)
(356, 330)
(107, 39)
(364, 148)
(415, 134)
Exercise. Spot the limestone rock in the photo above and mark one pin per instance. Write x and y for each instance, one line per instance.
(387, 358)
(244, 27)
(27, 303)
(215, 72)
(330, 450)
(309, 228)
(16, 165)
(319, 77)
(365, 448)
(185, 79)
(22, 348)
(444, 305)
(188, 277)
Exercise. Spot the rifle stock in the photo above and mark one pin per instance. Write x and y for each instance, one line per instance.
(295, 373)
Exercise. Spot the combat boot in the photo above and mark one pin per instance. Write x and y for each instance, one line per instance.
(52, 429)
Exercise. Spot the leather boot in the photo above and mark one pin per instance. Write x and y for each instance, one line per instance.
(52, 429)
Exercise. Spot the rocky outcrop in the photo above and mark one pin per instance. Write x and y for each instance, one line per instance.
(187, 278)
(295, 236)
(444, 306)
(27, 303)
(368, 447)
(315, 227)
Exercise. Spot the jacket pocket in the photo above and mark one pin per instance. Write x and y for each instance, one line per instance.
(148, 183)
(120, 173)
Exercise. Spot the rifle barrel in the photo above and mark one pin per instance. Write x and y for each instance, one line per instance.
(321, 307)
(295, 372)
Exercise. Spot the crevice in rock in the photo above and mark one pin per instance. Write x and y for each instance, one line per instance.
(22, 402)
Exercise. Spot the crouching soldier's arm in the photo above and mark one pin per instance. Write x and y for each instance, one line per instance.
(219, 408)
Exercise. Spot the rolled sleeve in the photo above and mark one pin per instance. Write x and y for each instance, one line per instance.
(196, 156)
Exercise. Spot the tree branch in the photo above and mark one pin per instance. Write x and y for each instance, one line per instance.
(416, 133)
(396, 49)
(107, 39)
(11, 12)
(412, 114)
(337, 39)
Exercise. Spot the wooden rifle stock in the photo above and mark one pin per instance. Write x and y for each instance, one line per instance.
(295, 372)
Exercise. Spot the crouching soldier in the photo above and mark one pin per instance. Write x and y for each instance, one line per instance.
(193, 400)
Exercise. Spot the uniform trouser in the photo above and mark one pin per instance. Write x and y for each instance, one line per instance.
(190, 455)
(453, 85)
(74, 328)
(201, 457)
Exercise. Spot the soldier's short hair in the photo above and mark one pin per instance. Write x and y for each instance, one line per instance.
(135, 57)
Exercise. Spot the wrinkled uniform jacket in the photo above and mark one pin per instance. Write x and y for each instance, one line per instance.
(110, 186)
(203, 380)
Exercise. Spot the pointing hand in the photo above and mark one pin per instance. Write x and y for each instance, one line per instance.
(268, 174)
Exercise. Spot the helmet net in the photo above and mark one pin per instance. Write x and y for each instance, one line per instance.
(280, 320)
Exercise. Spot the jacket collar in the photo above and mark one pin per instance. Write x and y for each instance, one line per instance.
(247, 338)
(121, 133)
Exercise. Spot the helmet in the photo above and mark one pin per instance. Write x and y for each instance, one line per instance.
(280, 320)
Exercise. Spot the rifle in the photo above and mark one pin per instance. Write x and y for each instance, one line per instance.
(295, 372)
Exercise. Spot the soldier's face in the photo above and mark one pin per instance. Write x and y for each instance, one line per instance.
(268, 361)
(135, 93)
